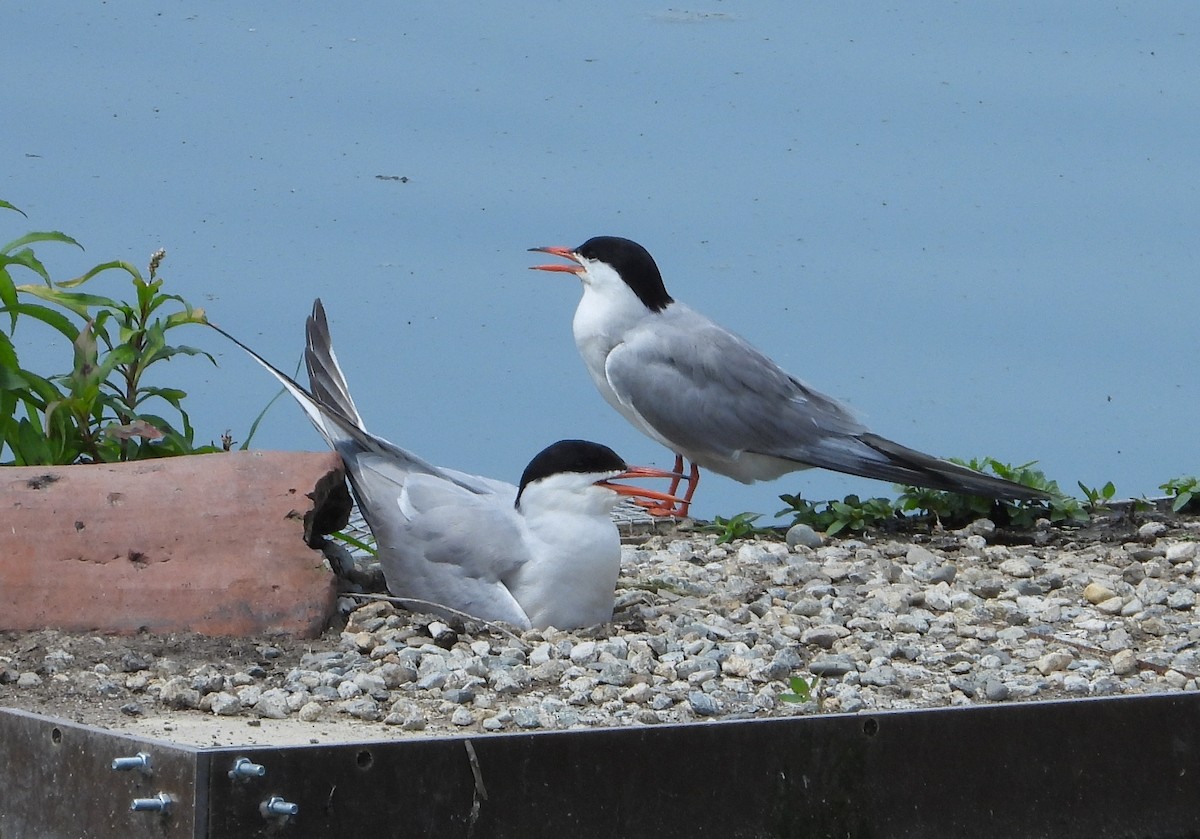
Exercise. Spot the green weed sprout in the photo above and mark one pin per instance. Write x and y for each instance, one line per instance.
(103, 410)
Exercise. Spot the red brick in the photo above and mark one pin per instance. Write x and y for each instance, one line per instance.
(211, 543)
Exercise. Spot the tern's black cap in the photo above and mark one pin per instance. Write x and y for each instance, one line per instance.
(635, 265)
(580, 456)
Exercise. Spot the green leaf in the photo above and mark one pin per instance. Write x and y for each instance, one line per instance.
(74, 301)
(52, 318)
(120, 355)
(43, 236)
(172, 395)
(26, 259)
(188, 315)
(8, 296)
(259, 418)
(31, 447)
(170, 352)
(124, 266)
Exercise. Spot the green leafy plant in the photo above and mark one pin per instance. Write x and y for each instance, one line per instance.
(1184, 491)
(946, 507)
(103, 410)
(739, 526)
(851, 513)
(955, 510)
(802, 690)
(1096, 499)
(807, 512)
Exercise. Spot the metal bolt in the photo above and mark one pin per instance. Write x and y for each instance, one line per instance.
(243, 768)
(139, 761)
(276, 806)
(159, 803)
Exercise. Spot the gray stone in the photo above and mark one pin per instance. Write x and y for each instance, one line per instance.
(224, 704)
(802, 534)
(702, 704)
(995, 690)
(833, 665)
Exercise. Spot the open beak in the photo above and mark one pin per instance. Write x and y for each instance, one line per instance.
(634, 472)
(565, 253)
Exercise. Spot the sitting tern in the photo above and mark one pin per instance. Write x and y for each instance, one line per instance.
(543, 553)
(712, 398)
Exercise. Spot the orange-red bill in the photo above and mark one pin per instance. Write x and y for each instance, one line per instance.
(643, 492)
(556, 250)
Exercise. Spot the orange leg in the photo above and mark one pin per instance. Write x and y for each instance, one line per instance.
(680, 512)
(678, 470)
(693, 481)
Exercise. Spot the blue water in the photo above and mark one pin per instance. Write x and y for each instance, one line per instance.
(978, 225)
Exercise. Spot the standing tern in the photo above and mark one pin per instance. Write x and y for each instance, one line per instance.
(712, 398)
(544, 553)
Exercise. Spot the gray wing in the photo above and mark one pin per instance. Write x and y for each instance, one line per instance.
(715, 396)
(447, 545)
(443, 536)
(710, 391)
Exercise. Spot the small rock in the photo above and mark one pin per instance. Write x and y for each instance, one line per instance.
(974, 545)
(584, 652)
(364, 641)
(995, 690)
(980, 527)
(1017, 566)
(615, 673)
(1112, 606)
(911, 623)
(702, 704)
(1053, 662)
(1175, 679)
(937, 599)
(945, 574)
(1124, 663)
(459, 696)
(918, 555)
(833, 665)
(527, 718)
(133, 663)
(432, 681)
(273, 705)
(802, 534)
(363, 708)
(1151, 530)
(224, 704)
(1181, 552)
(824, 636)
(178, 693)
(1181, 599)
(504, 682)
(987, 589)
(750, 553)
(1096, 593)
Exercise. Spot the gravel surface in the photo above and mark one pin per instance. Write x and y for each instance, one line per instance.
(702, 631)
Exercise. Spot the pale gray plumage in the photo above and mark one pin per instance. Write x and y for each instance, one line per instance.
(543, 554)
(711, 397)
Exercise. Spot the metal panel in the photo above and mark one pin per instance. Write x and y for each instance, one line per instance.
(1091, 769)
(57, 782)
